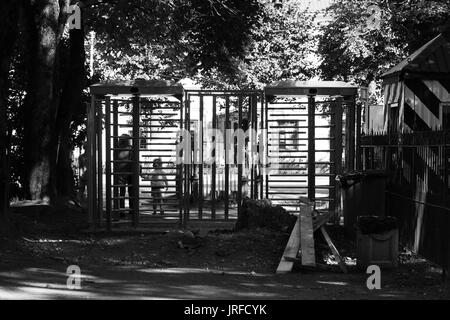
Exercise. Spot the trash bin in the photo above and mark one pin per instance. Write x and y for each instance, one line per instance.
(363, 194)
(377, 242)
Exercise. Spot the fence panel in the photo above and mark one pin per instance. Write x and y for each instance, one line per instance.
(418, 188)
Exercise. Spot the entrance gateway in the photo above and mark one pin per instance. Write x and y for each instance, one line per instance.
(216, 149)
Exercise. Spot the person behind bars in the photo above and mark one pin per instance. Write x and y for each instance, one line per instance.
(124, 168)
(83, 167)
(158, 180)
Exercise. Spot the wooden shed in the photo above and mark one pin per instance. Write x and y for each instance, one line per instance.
(417, 90)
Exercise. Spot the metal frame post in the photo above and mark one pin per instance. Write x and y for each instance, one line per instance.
(136, 155)
(311, 148)
(266, 148)
(115, 153)
(262, 148)
(187, 171)
(184, 104)
(91, 162)
(333, 137)
(99, 165)
(358, 136)
(338, 112)
(227, 161)
(200, 174)
(350, 135)
(254, 140)
(179, 179)
(214, 164)
(446, 152)
(108, 162)
(240, 165)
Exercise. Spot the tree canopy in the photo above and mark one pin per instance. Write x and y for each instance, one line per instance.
(239, 44)
(171, 39)
(351, 51)
(282, 47)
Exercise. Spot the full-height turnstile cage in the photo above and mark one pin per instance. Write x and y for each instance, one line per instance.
(148, 120)
(130, 124)
(217, 179)
(305, 135)
(313, 132)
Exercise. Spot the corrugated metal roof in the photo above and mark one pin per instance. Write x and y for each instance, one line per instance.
(434, 56)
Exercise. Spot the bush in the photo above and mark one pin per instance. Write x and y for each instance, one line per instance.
(263, 214)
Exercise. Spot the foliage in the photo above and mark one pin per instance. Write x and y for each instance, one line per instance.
(363, 54)
(170, 39)
(220, 44)
(282, 47)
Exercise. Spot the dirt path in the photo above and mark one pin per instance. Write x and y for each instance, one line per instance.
(180, 266)
(49, 282)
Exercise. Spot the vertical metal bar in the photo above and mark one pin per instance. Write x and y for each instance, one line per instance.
(266, 148)
(446, 154)
(91, 161)
(115, 153)
(187, 170)
(227, 161)
(446, 151)
(250, 144)
(181, 173)
(136, 154)
(200, 180)
(185, 173)
(108, 162)
(358, 136)
(261, 149)
(338, 112)
(333, 134)
(350, 135)
(311, 149)
(240, 159)
(99, 164)
(257, 150)
(180, 177)
(94, 164)
(253, 127)
(214, 164)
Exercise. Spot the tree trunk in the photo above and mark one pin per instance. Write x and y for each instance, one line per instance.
(8, 35)
(71, 101)
(47, 18)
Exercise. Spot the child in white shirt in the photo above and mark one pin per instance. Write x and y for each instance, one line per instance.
(158, 180)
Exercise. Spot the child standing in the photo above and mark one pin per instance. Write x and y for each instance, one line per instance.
(158, 182)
